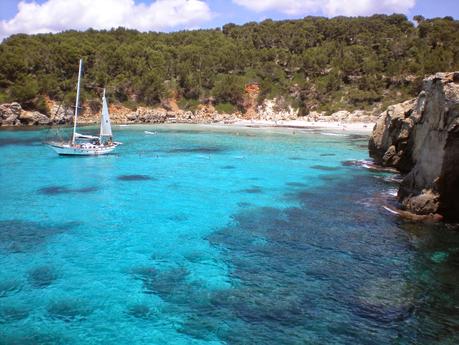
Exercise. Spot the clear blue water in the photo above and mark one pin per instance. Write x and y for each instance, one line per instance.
(195, 235)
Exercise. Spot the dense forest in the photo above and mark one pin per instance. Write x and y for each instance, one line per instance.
(314, 63)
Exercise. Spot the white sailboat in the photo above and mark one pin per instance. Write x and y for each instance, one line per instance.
(88, 145)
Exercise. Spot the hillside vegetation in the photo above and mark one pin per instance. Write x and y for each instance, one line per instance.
(314, 63)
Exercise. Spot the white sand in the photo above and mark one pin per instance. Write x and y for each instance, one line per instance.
(334, 126)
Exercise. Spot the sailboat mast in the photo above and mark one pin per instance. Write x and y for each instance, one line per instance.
(77, 101)
(102, 117)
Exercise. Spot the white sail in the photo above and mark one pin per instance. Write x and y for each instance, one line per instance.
(105, 126)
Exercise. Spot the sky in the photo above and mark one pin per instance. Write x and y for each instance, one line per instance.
(38, 16)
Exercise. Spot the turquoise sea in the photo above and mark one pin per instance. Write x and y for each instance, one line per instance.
(205, 235)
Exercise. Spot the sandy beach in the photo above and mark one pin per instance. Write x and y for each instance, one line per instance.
(335, 126)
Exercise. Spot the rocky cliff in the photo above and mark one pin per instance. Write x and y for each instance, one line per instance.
(420, 138)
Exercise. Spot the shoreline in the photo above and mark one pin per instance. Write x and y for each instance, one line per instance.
(361, 127)
(334, 126)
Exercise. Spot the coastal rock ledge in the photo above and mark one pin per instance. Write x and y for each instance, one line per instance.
(420, 138)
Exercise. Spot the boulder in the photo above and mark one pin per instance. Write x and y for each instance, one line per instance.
(34, 118)
(151, 115)
(132, 117)
(9, 114)
(340, 116)
(360, 116)
(420, 138)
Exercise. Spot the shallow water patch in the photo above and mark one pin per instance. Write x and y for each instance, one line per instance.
(19, 141)
(303, 195)
(244, 204)
(330, 177)
(179, 217)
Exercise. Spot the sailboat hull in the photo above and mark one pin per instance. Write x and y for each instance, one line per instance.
(69, 150)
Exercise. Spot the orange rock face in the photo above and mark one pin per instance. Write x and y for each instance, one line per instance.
(252, 91)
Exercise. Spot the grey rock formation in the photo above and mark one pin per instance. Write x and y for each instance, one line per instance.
(60, 114)
(342, 116)
(420, 138)
(12, 114)
(9, 114)
(34, 118)
(390, 139)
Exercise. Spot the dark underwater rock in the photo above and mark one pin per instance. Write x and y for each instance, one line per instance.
(203, 150)
(22, 236)
(31, 336)
(9, 287)
(41, 277)
(140, 311)
(134, 178)
(55, 190)
(252, 190)
(160, 282)
(69, 310)
(324, 168)
(12, 313)
(296, 184)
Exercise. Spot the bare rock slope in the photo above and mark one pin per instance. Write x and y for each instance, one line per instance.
(420, 138)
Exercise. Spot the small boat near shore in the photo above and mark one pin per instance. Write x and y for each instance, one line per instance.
(88, 145)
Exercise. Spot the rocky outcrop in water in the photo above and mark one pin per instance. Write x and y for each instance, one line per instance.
(420, 138)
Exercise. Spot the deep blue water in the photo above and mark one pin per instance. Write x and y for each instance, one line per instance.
(195, 235)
